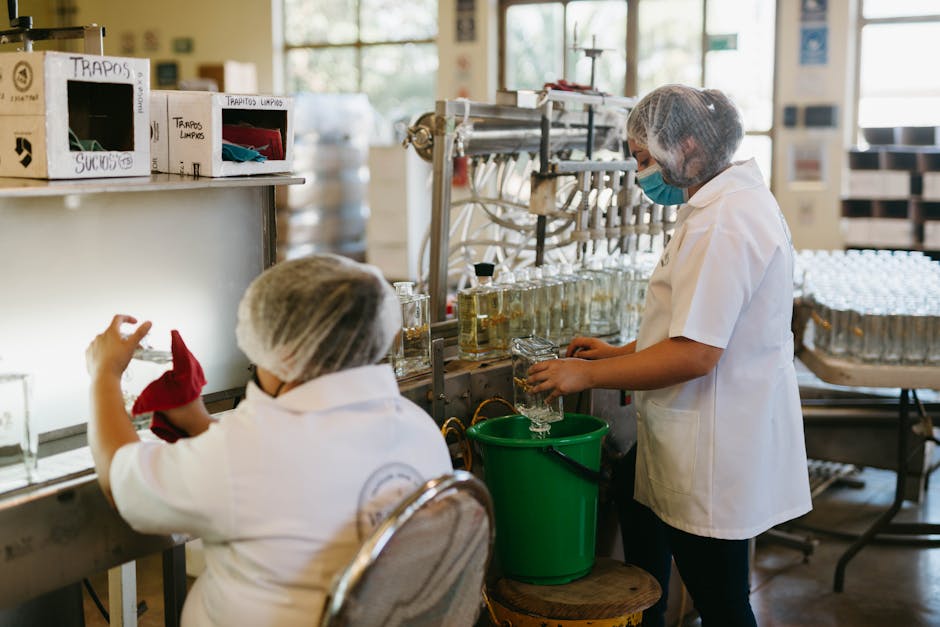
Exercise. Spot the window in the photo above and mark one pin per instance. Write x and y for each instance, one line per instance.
(384, 48)
(897, 39)
(540, 38)
(722, 44)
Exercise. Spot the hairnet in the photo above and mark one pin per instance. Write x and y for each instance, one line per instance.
(692, 133)
(311, 316)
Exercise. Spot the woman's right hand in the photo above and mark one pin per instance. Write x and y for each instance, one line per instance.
(591, 348)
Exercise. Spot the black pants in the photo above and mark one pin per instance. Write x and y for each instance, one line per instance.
(715, 572)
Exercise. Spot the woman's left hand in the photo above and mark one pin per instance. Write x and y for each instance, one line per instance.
(560, 377)
(110, 352)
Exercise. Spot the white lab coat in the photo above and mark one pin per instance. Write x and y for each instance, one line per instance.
(723, 455)
(282, 491)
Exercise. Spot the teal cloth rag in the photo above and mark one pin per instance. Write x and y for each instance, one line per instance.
(234, 152)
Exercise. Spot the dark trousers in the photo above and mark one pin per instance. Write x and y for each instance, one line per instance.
(715, 572)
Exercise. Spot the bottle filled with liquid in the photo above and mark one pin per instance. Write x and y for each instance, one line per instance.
(411, 353)
(518, 304)
(483, 325)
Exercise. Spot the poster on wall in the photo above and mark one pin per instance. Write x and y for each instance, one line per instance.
(813, 10)
(814, 45)
(808, 163)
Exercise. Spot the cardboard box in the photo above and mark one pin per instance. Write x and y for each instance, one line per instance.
(195, 125)
(932, 234)
(159, 133)
(878, 184)
(231, 77)
(49, 99)
(931, 189)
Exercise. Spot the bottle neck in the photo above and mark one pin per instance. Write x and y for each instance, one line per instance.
(484, 280)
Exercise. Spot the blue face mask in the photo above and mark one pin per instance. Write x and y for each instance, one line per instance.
(653, 185)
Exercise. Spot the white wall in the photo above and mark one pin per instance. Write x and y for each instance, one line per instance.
(468, 69)
(813, 210)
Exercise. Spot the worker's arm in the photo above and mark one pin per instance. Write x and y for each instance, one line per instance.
(109, 426)
(193, 418)
(671, 361)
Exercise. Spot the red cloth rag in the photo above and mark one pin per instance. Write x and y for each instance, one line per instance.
(175, 388)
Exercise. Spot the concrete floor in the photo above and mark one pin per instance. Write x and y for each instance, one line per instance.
(885, 586)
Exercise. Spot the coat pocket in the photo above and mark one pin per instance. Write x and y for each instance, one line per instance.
(671, 439)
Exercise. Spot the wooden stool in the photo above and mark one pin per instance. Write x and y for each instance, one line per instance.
(613, 595)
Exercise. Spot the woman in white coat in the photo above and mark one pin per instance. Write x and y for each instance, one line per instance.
(720, 454)
(284, 489)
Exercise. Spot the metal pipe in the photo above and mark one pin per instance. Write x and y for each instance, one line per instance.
(443, 168)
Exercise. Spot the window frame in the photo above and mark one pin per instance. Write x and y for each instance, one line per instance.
(861, 23)
(632, 51)
(358, 45)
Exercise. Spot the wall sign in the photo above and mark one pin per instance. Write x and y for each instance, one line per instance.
(814, 45)
(466, 20)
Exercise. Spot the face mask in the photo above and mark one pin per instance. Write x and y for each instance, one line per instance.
(653, 185)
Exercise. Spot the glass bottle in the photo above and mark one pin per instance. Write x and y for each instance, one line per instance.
(517, 301)
(527, 351)
(19, 442)
(602, 323)
(483, 326)
(574, 288)
(549, 299)
(412, 350)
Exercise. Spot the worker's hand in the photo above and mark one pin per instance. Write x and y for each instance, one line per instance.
(193, 418)
(591, 348)
(559, 377)
(110, 352)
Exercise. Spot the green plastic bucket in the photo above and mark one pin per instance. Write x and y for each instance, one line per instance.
(544, 495)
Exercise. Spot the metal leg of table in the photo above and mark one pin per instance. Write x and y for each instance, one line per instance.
(122, 595)
(883, 524)
(174, 584)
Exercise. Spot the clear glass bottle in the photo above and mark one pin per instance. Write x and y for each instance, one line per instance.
(618, 295)
(602, 322)
(483, 326)
(411, 352)
(517, 303)
(572, 302)
(527, 351)
(19, 442)
(550, 296)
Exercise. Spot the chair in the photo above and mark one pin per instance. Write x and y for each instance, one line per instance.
(424, 565)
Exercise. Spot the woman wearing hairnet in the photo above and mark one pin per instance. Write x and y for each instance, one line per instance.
(283, 490)
(720, 454)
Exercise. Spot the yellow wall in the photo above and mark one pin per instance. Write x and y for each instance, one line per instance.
(237, 30)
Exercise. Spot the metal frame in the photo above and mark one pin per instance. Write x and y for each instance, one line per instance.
(460, 480)
(544, 130)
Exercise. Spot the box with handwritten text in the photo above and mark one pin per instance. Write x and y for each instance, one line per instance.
(218, 134)
(70, 116)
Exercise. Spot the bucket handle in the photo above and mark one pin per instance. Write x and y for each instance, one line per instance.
(594, 476)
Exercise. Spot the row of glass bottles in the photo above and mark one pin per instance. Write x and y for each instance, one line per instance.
(873, 306)
(602, 298)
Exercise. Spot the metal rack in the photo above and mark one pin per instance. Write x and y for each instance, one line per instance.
(564, 183)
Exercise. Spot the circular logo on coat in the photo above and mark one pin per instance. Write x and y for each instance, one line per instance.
(382, 492)
(22, 76)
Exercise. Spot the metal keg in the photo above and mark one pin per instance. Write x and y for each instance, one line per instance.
(329, 211)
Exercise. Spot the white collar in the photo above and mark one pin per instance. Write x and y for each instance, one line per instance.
(336, 389)
(739, 175)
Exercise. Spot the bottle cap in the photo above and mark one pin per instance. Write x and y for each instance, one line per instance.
(483, 269)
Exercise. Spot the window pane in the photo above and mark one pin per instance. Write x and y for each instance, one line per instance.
(747, 73)
(758, 147)
(395, 20)
(320, 21)
(322, 70)
(670, 43)
(896, 88)
(607, 22)
(534, 48)
(400, 81)
(900, 8)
